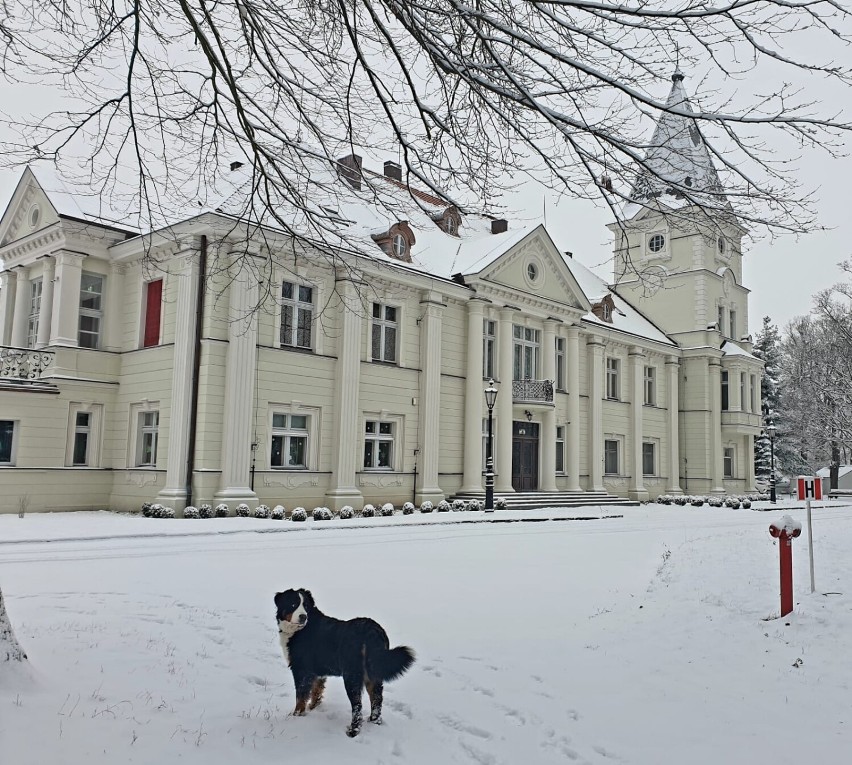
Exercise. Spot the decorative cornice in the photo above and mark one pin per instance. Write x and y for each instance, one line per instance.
(27, 250)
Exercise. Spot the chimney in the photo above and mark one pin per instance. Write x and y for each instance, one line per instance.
(236, 165)
(393, 171)
(349, 168)
(499, 226)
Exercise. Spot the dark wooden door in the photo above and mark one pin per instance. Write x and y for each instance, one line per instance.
(525, 456)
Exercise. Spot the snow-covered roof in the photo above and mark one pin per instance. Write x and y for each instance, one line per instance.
(841, 471)
(677, 160)
(730, 348)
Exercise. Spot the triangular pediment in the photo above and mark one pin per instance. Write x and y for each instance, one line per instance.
(534, 266)
(29, 211)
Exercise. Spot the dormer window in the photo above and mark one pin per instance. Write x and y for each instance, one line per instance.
(452, 226)
(449, 220)
(400, 247)
(397, 241)
(604, 309)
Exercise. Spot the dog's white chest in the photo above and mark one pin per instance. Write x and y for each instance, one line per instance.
(285, 632)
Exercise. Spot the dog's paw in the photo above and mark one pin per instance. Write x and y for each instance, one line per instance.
(352, 732)
(298, 713)
(376, 720)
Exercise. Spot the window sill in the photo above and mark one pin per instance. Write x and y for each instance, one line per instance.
(384, 363)
(297, 348)
(289, 468)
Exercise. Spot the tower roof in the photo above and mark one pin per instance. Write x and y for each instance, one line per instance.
(678, 165)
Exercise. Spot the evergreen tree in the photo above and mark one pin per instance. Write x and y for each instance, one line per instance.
(767, 348)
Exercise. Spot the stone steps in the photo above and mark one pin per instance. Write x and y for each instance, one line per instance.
(533, 500)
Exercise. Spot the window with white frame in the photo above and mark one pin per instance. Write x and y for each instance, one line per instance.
(297, 315)
(721, 319)
(729, 462)
(35, 311)
(560, 363)
(560, 449)
(290, 441)
(146, 438)
(649, 458)
(526, 348)
(7, 442)
(379, 439)
(82, 438)
(725, 397)
(384, 333)
(650, 386)
(743, 399)
(732, 324)
(91, 310)
(755, 394)
(613, 386)
(489, 344)
(611, 456)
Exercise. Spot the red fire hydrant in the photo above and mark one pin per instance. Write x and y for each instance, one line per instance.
(785, 531)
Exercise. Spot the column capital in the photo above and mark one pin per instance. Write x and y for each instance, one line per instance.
(636, 352)
(572, 331)
(507, 312)
(66, 258)
(672, 361)
(476, 305)
(596, 342)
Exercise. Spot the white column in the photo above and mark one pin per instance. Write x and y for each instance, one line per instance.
(115, 308)
(347, 412)
(749, 463)
(185, 273)
(547, 468)
(573, 434)
(473, 398)
(715, 461)
(8, 284)
(672, 425)
(45, 315)
(66, 299)
(503, 407)
(22, 309)
(596, 392)
(240, 374)
(431, 309)
(637, 371)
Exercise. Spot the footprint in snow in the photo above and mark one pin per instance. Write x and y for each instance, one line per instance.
(458, 725)
(398, 706)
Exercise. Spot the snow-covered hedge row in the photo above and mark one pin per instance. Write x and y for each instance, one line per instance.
(732, 501)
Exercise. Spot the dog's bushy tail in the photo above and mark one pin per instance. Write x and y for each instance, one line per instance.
(390, 663)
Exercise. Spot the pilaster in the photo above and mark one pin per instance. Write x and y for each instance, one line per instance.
(175, 490)
(113, 316)
(473, 398)
(8, 290)
(573, 381)
(504, 405)
(716, 462)
(596, 392)
(431, 310)
(240, 374)
(45, 316)
(547, 468)
(347, 412)
(637, 489)
(65, 320)
(22, 308)
(672, 421)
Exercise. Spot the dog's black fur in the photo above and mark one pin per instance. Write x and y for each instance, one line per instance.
(318, 646)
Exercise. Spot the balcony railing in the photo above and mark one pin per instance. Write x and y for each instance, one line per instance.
(532, 391)
(23, 363)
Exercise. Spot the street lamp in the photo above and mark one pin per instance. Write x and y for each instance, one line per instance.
(770, 431)
(490, 398)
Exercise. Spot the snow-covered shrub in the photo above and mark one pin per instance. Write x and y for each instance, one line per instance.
(222, 511)
(681, 499)
(746, 503)
(156, 510)
(368, 511)
(205, 511)
(474, 505)
(146, 509)
(387, 508)
(299, 514)
(408, 508)
(242, 510)
(697, 501)
(277, 513)
(500, 503)
(322, 514)
(715, 501)
(427, 507)
(190, 511)
(262, 511)
(161, 511)
(764, 497)
(346, 512)
(732, 502)
(444, 506)
(664, 499)
(458, 505)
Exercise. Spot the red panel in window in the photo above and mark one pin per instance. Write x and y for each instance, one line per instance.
(153, 304)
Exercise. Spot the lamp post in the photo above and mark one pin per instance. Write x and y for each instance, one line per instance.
(770, 431)
(490, 399)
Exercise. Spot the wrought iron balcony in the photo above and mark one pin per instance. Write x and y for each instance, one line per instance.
(23, 363)
(532, 391)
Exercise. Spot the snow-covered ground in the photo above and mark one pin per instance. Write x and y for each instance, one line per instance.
(647, 639)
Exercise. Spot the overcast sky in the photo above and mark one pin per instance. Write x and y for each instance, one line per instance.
(782, 273)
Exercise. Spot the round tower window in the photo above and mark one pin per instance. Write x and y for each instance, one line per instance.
(35, 215)
(532, 272)
(656, 243)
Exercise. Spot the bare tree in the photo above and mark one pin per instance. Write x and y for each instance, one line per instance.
(467, 95)
(10, 649)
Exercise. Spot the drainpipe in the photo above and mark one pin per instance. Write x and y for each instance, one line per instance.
(196, 368)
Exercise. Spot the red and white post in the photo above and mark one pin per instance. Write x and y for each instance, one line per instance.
(785, 531)
(810, 487)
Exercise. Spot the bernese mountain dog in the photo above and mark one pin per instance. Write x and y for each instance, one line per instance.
(317, 646)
